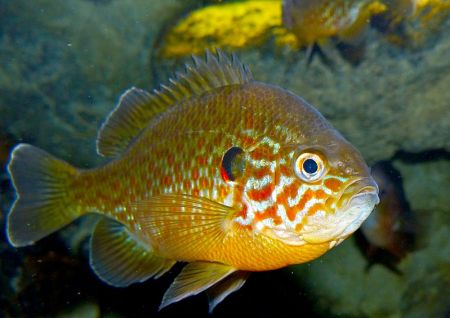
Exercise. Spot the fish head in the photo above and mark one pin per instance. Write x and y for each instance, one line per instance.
(343, 193)
(323, 191)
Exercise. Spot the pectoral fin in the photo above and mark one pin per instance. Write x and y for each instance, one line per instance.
(120, 259)
(195, 278)
(181, 223)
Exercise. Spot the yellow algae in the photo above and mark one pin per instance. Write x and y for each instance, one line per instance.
(229, 25)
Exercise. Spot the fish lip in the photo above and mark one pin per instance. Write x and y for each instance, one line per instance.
(358, 186)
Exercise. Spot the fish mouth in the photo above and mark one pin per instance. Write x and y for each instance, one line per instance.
(357, 201)
(355, 188)
(358, 208)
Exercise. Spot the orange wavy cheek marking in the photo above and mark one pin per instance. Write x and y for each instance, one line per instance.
(291, 190)
(320, 194)
(308, 195)
(316, 207)
(333, 184)
(270, 212)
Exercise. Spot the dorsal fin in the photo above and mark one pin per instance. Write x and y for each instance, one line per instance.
(136, 107)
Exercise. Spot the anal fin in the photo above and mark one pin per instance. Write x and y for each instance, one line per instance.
(195, 278)
(120, 259)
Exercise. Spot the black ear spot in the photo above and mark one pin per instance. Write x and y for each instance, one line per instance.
(233, 164)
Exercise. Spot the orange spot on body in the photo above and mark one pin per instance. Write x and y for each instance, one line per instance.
(242, 212)
(133, 181)
(204, 182)
(167, 180)
(249, 123)
(333, 184)
(259, 153)
(170, 159)
(247, 141)
(195, 174)
(284, 170)
(223, 192)
(116, 185)
(202, 160)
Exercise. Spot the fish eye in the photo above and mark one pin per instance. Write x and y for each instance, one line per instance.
(309, 167)
(233, 164)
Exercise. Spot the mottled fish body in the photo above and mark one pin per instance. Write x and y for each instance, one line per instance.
(215, 169)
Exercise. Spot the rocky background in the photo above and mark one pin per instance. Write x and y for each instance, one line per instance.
(63, 66)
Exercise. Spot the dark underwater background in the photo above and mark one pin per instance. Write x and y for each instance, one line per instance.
(63, 65)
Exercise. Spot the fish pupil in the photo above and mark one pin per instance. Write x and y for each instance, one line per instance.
(233, 164)
(310, 166)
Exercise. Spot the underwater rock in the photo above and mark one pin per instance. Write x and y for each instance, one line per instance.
(64, 66)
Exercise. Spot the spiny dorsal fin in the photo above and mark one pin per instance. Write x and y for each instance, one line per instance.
(136, 107)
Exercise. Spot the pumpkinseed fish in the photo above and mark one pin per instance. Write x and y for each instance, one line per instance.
(215, 169)
(314, 21)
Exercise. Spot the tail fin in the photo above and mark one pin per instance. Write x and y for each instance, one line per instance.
(42, 205)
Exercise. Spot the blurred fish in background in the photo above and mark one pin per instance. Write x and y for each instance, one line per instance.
(409, 23)
(389, 233)
(315, 22)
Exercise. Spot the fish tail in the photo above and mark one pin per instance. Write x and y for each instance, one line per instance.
(43, 204)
